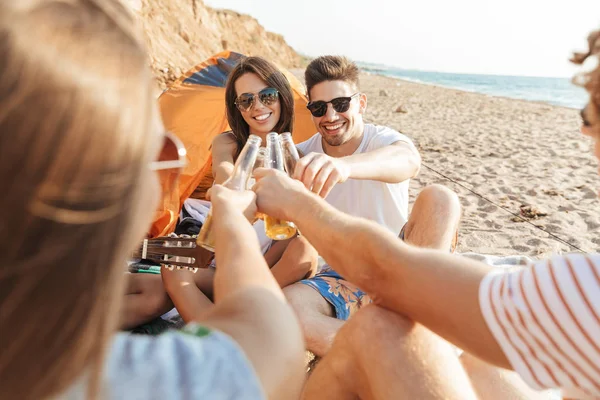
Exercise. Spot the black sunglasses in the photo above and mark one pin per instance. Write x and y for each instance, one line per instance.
(267, 96)
(339, 104)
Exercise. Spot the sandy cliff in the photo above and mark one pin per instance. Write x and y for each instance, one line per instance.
(181, 33)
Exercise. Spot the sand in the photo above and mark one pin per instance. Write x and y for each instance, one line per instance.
(527, 157)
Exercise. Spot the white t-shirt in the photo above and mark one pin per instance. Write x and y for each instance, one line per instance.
(546, 318)
(384, 203)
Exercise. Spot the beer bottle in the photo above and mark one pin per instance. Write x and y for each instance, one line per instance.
(275, 228)
(237, 181)
(261, 159)
(290, 153)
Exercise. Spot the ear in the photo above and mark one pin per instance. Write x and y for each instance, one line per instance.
(362, 103)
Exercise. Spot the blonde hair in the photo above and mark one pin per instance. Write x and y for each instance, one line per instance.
(590, 80)
(75, 106)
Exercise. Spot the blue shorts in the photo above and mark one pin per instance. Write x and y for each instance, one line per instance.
(345, 297)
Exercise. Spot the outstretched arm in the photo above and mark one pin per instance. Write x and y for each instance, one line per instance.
(249, 305)
(390, 164)
(223, 149)
(436, 289)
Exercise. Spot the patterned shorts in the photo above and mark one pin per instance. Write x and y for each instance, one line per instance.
(345, 297)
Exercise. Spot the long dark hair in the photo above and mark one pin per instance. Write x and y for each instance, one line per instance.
(273, 78)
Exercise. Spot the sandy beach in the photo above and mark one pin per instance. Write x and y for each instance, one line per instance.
(527, 157)
(515, 153)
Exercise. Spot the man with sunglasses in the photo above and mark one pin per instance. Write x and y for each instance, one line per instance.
(363, 170)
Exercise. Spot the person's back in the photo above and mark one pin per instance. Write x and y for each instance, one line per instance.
(80, 145)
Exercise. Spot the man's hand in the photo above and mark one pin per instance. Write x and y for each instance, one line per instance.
(277, 194)
(243, 201)
(320, 172)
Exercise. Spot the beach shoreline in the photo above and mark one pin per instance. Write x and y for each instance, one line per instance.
(523, 156)
(366, 72)
(525, 88)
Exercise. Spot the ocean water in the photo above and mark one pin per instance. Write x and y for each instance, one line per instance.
(556, 91)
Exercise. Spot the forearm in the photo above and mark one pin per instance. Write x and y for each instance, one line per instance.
(189, 301)
(391, 164)
(222, 171)
(436, 289)
(441, 291)
(240, 262)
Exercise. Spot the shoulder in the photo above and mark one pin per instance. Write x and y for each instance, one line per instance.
(310, 144)
(547, 275)
(381, 136)
(224, 138)
(553, 299)
(224, 143)
(545, 283)
(177, 357)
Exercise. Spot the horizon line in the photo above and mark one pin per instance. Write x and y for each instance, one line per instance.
(460, 73)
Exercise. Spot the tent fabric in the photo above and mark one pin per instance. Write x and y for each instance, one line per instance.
(193, 108)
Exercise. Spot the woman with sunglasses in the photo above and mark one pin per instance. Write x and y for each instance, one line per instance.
(79, 191)
(259, 100)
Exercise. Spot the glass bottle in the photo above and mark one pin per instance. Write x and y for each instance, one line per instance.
(275, 228)
(261, 159)
(242, 171)
(290, 153)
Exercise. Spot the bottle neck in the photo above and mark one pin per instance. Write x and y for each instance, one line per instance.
(244, 165)
(275, 152)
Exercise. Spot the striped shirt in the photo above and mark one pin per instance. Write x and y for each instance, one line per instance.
(547, 320)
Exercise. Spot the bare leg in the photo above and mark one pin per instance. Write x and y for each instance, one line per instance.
(492, 383)
(381, 355)
(145, 299)
(298, 261)
(434, 219)
(316, 316)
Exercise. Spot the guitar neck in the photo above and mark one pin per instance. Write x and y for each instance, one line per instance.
(142, 251)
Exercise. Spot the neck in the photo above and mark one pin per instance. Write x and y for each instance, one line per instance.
(347, 148)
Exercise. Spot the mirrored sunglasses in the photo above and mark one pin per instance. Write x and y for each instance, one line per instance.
(267, 96)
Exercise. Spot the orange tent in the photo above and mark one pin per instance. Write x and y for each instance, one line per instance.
(193, 108)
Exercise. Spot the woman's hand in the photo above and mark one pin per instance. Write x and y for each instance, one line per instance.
(224, 199)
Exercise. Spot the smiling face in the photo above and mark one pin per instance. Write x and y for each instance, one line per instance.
(339, 128)
(261, 119)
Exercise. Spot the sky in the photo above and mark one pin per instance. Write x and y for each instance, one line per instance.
(502, 37)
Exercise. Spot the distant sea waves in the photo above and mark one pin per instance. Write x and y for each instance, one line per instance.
(557, 91)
